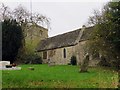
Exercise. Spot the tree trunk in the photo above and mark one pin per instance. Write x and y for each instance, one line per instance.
(84, 66)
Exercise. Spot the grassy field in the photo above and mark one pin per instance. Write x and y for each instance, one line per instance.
(59, 77)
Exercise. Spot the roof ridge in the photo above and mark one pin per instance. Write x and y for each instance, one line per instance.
(65, 33)
(70, 32)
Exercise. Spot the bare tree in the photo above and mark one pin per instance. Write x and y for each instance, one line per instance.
(41, 20)
(96, 18)
(5, 12)
(21, 14)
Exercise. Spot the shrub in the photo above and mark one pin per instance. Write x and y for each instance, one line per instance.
(33, 59)
(104, 62)
(73, 60)
(37, 60)
(30, 58)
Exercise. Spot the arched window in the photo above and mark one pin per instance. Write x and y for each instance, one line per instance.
(64, 53)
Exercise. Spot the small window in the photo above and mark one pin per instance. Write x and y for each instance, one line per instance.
(44, 55)
(64, 52)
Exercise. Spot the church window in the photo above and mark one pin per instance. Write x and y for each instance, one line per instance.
(64, 53)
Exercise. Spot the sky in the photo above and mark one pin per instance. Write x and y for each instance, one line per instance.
(65, 15)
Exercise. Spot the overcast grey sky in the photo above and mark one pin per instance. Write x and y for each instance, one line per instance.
(65, 16)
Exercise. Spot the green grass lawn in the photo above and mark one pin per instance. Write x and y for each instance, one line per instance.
(62, 76)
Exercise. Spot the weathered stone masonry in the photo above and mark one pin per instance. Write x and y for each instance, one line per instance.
(59, 49)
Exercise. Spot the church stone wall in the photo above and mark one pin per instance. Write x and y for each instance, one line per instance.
(56, 56)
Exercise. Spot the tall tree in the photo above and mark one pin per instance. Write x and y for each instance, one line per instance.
(105, 38)
(11, 39)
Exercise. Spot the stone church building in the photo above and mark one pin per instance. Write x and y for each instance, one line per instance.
(34, 34)
(59, 49)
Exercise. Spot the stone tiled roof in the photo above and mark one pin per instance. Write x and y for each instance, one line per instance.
(86, 33)
(63, 40)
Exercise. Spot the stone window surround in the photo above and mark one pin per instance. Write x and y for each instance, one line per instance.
(64, 53)
(45, 56)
